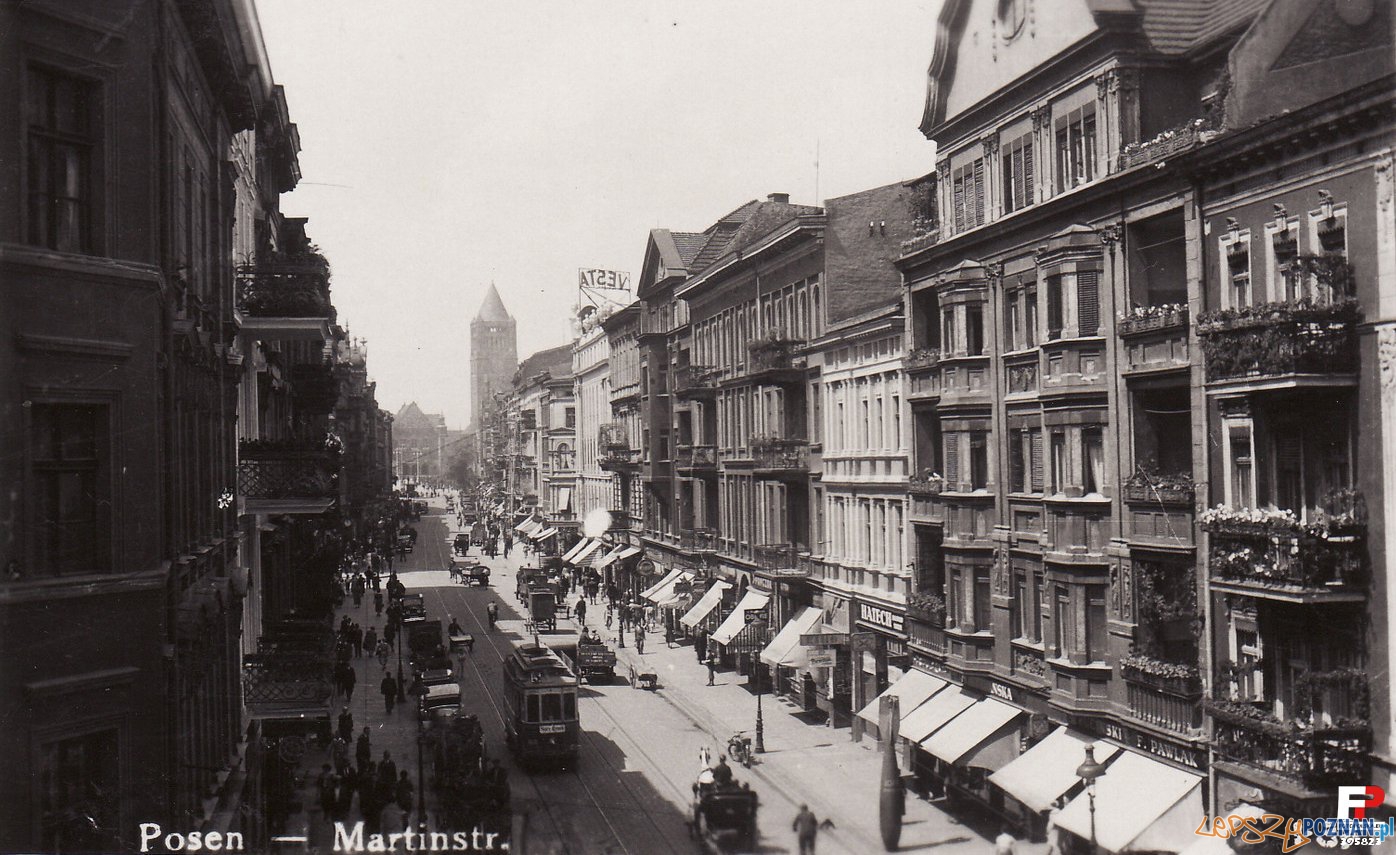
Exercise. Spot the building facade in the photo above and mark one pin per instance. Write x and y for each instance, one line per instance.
(494, 354)
(592, 396)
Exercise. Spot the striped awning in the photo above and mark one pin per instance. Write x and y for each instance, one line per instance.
(576, 548)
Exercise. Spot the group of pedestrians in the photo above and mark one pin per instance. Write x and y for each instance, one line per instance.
(385, 793)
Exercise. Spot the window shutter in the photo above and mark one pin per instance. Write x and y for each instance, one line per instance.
(959, 191)
(1015, 463)
(979, 192)
(1037, 480)
(1088, 303)
(952, 461)
(1027, 176)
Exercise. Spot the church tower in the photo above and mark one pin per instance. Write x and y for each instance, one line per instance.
(493, 354)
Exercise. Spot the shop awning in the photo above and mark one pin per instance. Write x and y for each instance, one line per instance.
(1047, 771)
(543, 533)
(670, 597)
(576, 548)
(736, 621)
(784, 647)
(526, 525)
(1140, 805)
(705, 604)
(669, 578)
(605, 560)
(914, 689)
(934, 714)
(983, 736)
(580, 556)
(623, 552)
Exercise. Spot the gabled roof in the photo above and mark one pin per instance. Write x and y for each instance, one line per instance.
(1181, 26)
(688, 245)
(556, 361)
(492, 309)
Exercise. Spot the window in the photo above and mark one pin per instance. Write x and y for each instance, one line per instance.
(1011, 323)
(1058, 462)
(1017, 174)
(1238, 271)
(967, 195)
(983, 606)
(570, 417)
(1284, 250)
(79, 792)
(1092, 459)
(1076, 148)
(1241, 465)
(948, 337)
(1017, 461)
(552, 707)
(1030, 316)
(955, 611)
(974, 330)
(1035, 460)
(952, 461)
(1096, 635)
(1087, 303)
(979, 460)
(1027, 604)
(1054, 308)
(532, 714)
(1064, 627)
(63, 142)
(71, 524)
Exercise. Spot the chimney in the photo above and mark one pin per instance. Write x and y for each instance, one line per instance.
(779, 198)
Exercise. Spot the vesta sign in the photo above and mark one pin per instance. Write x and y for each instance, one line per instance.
(880, 617)
(610, 280)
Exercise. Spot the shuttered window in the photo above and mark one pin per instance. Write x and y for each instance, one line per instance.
(1088, 303)
(1017, 452)
(1017, 174)
(1036, 461)
(952, 460)
(967, 192)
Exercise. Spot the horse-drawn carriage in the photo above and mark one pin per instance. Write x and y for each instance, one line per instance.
(724, 814)
(469, 791)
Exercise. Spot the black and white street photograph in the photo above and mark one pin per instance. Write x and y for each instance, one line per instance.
(697, 427)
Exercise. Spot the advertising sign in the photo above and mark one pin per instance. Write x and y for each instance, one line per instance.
(605, 280)
(821, 659)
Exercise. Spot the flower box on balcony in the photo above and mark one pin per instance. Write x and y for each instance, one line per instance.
(926, 607)
(1163, 146)
(1273, 549)
(1182, 680)
(1295, 337)
(1159, 489)
(1151, 318)
(930, 484)
(921, 358)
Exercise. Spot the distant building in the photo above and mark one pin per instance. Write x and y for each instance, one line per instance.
(493, 355)
(419, 444)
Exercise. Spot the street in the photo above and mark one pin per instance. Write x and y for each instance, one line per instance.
(630, 790)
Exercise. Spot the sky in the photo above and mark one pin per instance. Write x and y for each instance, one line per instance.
(448, 144)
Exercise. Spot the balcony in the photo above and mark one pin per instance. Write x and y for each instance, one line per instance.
(287, 684)
(1154, 338)
(773, 360)
(1163, 694)
(1176, 490)
(286, 299)
(921, 359)
(1319, 758)
(1271, 554)
(925, 486)
(288, 476)
(698, 540)
(616, 454)
(695, 381)
(779, 457)
(1280, 340)
(1167, 144)
(696, 459)
(781, 560)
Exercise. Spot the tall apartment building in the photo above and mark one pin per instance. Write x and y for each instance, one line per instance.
(592, 396)
(543, 417)
(1159, 278)
(618, 439)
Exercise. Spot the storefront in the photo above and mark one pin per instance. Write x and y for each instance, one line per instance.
(879, 652)
(740, 635)
(911, 691)
(1044, 773)
(1140, 805)
(983, 738)
(788, 659)
(702, 616)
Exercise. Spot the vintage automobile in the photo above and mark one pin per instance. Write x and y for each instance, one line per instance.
(414, 608)
(443, 696)
(461, 544)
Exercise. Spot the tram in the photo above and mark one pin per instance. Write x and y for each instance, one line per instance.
(540, 693)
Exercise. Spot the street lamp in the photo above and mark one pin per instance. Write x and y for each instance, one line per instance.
(758, 631)
(1088, 772)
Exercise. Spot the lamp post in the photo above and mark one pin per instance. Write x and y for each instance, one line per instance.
(758, 628)
(1088, 772)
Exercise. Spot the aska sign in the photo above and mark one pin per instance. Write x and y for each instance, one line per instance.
(604, 280)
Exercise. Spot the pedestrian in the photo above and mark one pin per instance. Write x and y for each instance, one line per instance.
(508, 544)
(1005, 843)
(325, 783)
(346, 725)
(492, 612)
(392, 819)
(351, 677)
(370, 640)
(1054, 832)
(668, 635)
(390, 631)
(806, 828)
(363, 753)
(339, 754)
(582, 611)
(387, 774)
(377, 598)
(712, 668)
(404, 791)
(389, 689)
(700, 645)
(383, 650)
(640, 641)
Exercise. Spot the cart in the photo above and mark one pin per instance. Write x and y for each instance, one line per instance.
(643, 680)
(724, 817)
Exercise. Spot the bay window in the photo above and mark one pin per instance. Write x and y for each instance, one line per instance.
(1076, 147)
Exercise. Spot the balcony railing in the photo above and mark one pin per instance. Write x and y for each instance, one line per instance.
(774, 358)
(288, 470)
(780, 455)
(776, 556)
(691, 381)
(699, 540)
(613, 435)
(618, 459)
(290, 288)
(285, 683)
(1153, 318)
(921, 358)
(929, 484)
(697, 457)
(1317, 758)
(1160, 489)
(1165, 145)
(1270, 551)
(1164, 694)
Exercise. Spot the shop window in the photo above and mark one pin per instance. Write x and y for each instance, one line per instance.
(1076, 148)
(79, 792)
(63, 150)
(1017, 174)
(69, 446)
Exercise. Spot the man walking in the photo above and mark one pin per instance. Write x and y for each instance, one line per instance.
(389, 689)
(346, 725)
(582, 611)
(363, 753)
(806, 828)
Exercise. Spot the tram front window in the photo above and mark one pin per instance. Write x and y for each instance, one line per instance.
(552, 707)
(532, 708)
(569, 707)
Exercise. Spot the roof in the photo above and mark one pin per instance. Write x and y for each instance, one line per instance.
(557, 361)
(1180, 26)
(689, 244)
(492, 309)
